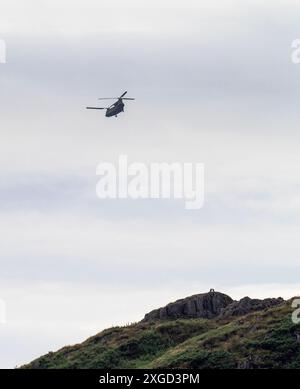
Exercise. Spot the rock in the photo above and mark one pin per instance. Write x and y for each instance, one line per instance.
(211, 305)
(247, 305)
(206, 305)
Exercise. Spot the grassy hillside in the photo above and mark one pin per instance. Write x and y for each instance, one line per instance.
(265, 339)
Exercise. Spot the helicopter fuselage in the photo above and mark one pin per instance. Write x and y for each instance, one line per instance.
(115, 109)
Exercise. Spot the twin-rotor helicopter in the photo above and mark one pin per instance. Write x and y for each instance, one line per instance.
(115, 108)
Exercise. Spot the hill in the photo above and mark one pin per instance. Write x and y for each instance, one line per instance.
(208, 330)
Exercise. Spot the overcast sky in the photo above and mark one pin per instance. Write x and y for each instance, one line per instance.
(214, 84)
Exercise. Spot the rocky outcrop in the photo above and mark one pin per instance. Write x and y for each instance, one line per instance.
(209, 306)
(247, 305)
(206, 305)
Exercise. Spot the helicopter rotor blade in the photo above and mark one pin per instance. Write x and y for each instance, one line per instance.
(95, 107)
(128, 98)
(116, 98)
(123, 95)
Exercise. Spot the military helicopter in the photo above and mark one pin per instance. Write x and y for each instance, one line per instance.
(115, 108)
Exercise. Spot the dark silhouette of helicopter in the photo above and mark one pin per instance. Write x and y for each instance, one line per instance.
(115, 108)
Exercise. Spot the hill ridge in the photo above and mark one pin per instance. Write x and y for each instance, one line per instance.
(263, 337)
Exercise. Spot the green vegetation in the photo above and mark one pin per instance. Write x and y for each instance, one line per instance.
(265, 339)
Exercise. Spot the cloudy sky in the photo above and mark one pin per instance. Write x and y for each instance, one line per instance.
(214, 84)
